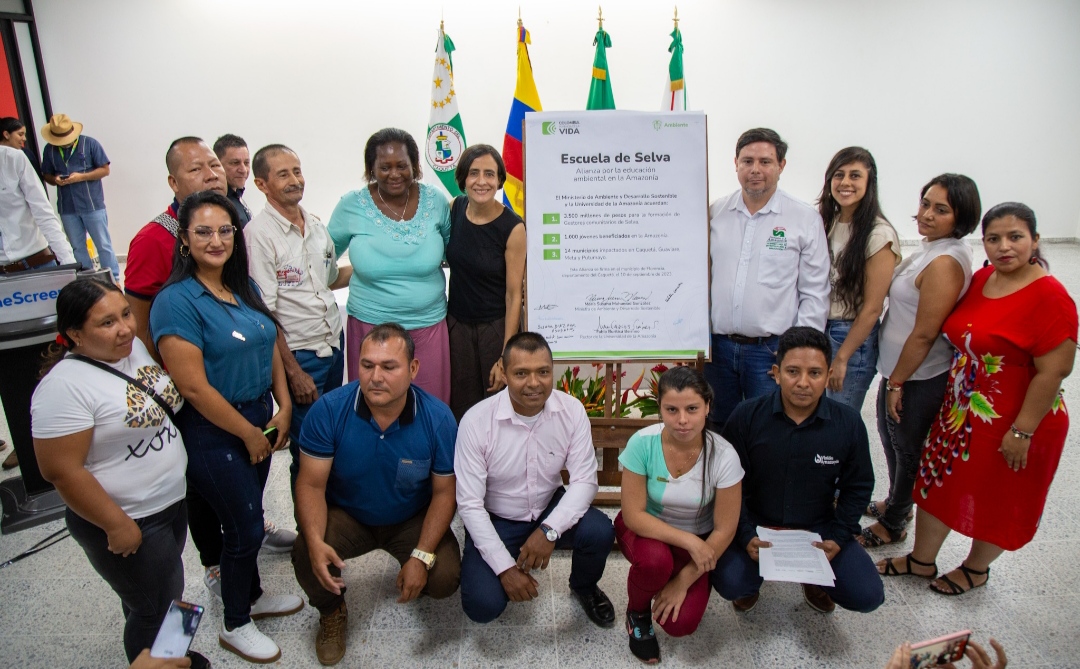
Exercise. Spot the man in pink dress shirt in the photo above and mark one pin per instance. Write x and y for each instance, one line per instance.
(509, 453)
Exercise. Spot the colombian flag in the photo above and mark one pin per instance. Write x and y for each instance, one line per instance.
(526, 99)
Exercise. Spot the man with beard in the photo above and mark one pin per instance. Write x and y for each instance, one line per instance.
(770, 271)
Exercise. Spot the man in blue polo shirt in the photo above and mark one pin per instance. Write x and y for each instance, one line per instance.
(376, 471)
(75, 163)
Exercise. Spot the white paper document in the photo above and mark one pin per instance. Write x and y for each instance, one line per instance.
(794, 558)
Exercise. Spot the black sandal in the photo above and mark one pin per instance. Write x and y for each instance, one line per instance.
(872, 511)
(891, 570)
(870, 540)
(954, 588)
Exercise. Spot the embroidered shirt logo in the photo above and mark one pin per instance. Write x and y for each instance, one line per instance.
(825, 460)
(778, 240)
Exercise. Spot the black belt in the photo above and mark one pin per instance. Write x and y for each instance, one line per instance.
(739, 339)
(42, 257)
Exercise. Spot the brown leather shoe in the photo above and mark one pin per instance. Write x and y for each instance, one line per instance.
(818, 599)
(744, 604)
(330, 641)
(12, 461)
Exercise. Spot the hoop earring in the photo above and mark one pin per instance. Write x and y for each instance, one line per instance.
(184, 251)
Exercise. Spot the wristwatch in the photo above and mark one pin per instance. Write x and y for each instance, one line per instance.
(427, 558)
(550, 532)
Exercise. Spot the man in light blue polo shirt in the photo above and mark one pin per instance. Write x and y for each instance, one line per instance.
(376, 472)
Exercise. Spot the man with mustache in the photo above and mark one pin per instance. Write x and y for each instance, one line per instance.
(770, 271)
(291, 256)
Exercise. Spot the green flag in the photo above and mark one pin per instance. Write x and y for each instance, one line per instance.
(445, 137)
(600, 96)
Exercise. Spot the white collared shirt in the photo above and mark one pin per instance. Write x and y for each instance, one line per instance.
(294, 273)
(511, 469)
(27, 221)
(770, 271)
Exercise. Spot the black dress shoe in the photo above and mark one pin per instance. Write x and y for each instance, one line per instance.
(198, 660)
(597, 606)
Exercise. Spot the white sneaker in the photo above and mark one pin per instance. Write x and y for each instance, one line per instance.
(276, 540)
(212, 579)
(269, 606)
(249, 643)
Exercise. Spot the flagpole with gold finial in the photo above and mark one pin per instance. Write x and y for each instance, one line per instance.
(676, 19)
(600, 17)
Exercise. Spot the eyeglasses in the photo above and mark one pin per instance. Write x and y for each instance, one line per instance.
(206, 234)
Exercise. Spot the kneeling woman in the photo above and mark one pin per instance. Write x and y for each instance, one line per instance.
(104, 436)
(681, 496)
(217, 339)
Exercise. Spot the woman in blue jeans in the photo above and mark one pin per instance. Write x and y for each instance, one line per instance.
(114, 454)
(864, 250)
(217, 337)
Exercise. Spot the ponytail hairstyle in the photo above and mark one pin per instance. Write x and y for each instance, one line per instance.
(1023, 213)
(680, 378)
(73, 305)
(851, 263)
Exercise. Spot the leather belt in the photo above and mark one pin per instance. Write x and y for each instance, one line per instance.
(749, 341)
(40, 258)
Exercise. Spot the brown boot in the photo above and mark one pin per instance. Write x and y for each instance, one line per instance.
(12, 461)
(330, 641)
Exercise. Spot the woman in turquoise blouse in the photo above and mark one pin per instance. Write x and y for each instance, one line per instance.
(396, 230)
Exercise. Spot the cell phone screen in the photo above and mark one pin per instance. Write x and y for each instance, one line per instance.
(939, 651)
(177, 630)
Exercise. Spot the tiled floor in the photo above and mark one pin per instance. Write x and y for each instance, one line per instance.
(55, 612)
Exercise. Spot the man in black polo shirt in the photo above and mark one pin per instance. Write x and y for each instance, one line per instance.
(807, 463)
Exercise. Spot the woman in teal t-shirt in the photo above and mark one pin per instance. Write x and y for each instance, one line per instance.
(681, 497)
(395, 230)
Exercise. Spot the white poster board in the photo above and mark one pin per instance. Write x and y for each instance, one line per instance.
(617, 226)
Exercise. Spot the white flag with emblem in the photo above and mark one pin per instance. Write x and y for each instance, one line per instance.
(445, 136)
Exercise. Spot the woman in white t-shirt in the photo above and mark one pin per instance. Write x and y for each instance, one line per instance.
(681, 497)
(864, 249)
(114, 454)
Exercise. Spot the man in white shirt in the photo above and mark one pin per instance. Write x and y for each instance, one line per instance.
(509, 454)
(291, 257)
(30, 236)
(770, 271)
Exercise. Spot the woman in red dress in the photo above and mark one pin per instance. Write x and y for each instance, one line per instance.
(992, 452)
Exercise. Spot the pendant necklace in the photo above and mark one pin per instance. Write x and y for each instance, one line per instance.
(401, 216)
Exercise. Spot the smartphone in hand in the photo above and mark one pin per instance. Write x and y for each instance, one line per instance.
(271, 435)
(177, 630)
(943, 650)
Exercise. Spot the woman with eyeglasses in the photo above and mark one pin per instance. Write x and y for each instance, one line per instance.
(217, 338)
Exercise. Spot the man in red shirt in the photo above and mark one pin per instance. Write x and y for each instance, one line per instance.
(193, 167)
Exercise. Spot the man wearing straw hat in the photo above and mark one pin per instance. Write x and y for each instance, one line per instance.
(75, 163)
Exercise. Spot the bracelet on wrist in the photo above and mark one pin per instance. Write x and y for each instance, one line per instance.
(891, 388)
(1020, 434)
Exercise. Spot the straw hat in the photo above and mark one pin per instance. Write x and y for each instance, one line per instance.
(61, 130)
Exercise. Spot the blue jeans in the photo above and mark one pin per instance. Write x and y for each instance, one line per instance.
(482, 594)
(738, 372)
(858, 584)
(861, 368)
(220, 468)
(327, 374)
(97, 224)
(147, 580)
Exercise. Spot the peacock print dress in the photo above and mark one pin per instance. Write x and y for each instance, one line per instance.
(963, 480)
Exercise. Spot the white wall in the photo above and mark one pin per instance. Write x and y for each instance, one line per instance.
(984, 87)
